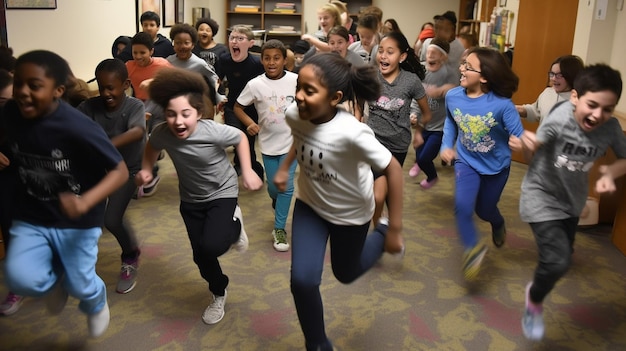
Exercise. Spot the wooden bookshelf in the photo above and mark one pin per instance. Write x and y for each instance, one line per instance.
(282, 20)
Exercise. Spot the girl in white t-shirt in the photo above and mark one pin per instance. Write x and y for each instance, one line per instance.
(336, 154)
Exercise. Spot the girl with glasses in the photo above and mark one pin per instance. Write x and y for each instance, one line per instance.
(561, 77)
(480, 120)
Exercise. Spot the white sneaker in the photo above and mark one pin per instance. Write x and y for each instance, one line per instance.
(98, 323)
(215, 312)
(241, 245)
(280, 240)
(56, 298)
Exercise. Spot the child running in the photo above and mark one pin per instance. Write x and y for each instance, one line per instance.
(554, 190)
(439, 79)
(271, 93)
(335, 199)
(208, 183)
(400, 75)
(123, 120)
(480, 120)
(67, 167)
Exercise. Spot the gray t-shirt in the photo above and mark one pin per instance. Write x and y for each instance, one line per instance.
(129, 114)
(437, 106)
(555, 186)
(203, 168)
(389, 116)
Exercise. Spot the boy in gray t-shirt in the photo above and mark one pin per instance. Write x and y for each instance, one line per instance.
(554, 190)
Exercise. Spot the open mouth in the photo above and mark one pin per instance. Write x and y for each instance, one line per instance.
(589, 123)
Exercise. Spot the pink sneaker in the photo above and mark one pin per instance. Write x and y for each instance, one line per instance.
(414, 171)
(425, 184)
(11, 304)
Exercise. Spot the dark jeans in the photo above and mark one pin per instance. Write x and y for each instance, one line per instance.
(477, 193)
(554, 242)
(426, 153)
(211, 230)
(231, 120)
(352, 253)
(115, 222)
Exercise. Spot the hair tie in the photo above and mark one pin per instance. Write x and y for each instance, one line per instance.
(438, 48)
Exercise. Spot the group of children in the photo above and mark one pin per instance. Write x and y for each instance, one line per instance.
(67, 165)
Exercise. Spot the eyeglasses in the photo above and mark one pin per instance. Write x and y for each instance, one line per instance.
(466, 66)
(558, 75)
(237, 39)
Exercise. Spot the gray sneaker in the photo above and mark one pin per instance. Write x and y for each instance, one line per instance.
(128, 276)
(215, 311)
(241, 245)
(532, 321)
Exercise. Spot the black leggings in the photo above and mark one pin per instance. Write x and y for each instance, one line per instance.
(211, 230)
(554, 241)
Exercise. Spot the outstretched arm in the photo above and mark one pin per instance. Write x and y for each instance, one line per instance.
(251, 180)
(606, 182)
(282, 174)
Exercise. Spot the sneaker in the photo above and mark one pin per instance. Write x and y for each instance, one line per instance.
(414, 171)
(99, 322)
(215, 312)
(150, 188)
(280, 240)
(56, 298)
(472, 258)
(532, 321)
(11, 304)
(425, 184)
(499, 236)
(241, 245)
(128, 276)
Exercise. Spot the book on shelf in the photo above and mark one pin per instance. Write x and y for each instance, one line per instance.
(282, 30)
(247, 8)
(283, 10)
(286, 5)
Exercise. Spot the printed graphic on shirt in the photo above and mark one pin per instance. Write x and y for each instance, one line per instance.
(433, 103)
(475, 131)
(569, 150)
(385, 103)
(277, 106)
(46, 177)
(311, 161)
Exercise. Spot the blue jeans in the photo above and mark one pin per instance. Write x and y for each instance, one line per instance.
(426, 153)
(352, 253)
(282, 198)
(477, 193)
(39, 256)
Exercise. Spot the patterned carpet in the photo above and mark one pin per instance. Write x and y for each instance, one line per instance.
(421, 303)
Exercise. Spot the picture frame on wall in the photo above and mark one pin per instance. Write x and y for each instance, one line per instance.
(31, 4)
(173, 12)
(142, 6)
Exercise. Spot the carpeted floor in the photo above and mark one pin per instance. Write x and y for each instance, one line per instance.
(421, 303)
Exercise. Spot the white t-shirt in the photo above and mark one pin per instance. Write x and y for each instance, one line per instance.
(336, 159)
(271, 97)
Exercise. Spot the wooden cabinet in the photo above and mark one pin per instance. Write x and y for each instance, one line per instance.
(355, 7)
(545, 31)
(472, 12)
(280, 20)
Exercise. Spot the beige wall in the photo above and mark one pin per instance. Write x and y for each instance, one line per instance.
(82, 31)
(602, 41)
